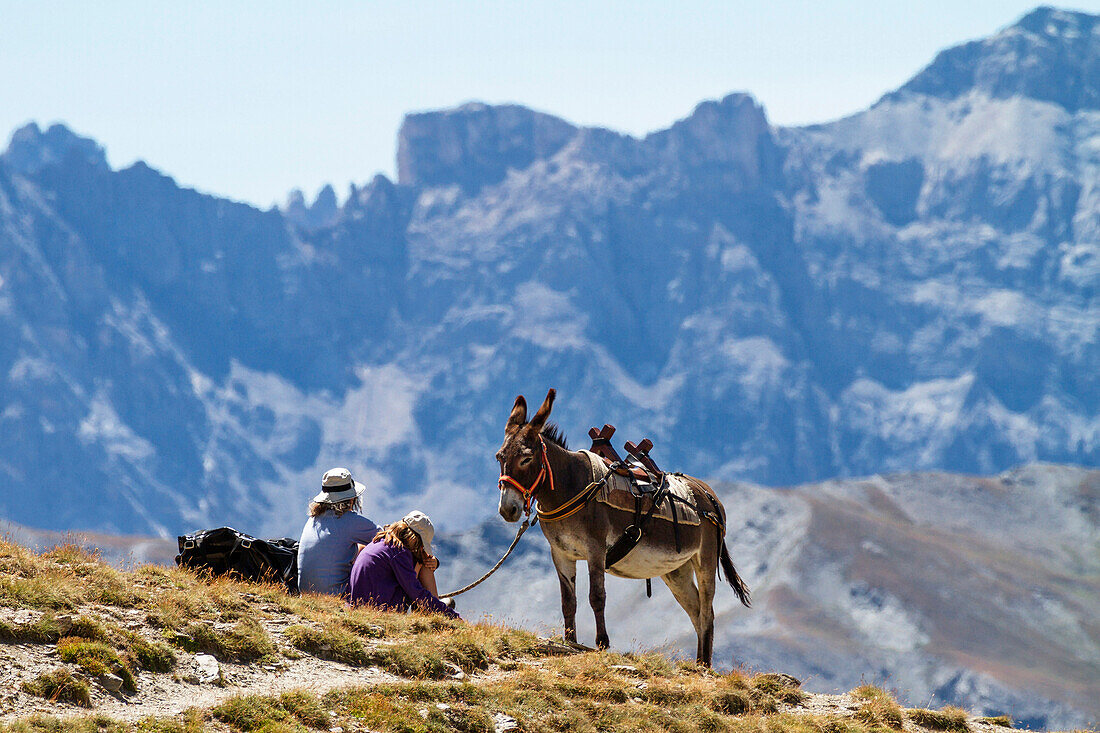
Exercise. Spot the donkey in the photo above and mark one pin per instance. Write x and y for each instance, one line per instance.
(536, 464)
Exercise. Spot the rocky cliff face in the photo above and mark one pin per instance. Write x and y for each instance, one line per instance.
(910, 287)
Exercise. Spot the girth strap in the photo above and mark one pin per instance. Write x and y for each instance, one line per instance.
(572, 506)
(675, 522)
(632, 535)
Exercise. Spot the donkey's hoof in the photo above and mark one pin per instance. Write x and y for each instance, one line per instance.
(603, 642)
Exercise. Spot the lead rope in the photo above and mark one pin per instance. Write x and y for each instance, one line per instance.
(527, 522)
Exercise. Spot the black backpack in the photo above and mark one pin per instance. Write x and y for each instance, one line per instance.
(225, 551)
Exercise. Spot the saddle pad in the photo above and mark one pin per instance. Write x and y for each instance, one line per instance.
(616, 494)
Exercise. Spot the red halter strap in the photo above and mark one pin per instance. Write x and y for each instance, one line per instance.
(529, 491)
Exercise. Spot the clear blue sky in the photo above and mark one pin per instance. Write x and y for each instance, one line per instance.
(251, 99)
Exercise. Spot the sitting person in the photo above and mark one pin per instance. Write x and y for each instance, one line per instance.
(392, 572)
(332, 534)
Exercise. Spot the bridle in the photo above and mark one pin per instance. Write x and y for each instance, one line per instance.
(528, 492)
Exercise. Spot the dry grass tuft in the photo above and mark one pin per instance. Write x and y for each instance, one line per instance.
(46, 630)
(245, 641)
(289, 711)
(950, 718)
(1002, 720)
(878, 708)
(329, 642)
(60, 686)
(781, 688)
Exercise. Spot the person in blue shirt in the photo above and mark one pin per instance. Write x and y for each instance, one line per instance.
(388, 572)
(332, 534)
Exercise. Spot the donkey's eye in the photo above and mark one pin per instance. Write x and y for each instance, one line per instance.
(526, 461)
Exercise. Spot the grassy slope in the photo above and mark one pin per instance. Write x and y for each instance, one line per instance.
(94, 620)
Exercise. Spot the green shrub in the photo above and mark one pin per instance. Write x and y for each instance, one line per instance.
(150, 655)
(96, 658)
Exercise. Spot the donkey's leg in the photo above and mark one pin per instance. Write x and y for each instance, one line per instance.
(705, 564)
(567, 579)
(682, 584)
(597, 596)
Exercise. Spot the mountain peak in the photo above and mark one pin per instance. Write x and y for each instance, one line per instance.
(31, 149)
(1050, 55)
(476, 144)
(1051, 21)
(731, 131)
(321, 213)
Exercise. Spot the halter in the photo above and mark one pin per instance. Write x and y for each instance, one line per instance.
(529, 491)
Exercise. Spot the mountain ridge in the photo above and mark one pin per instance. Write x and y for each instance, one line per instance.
(898, 289)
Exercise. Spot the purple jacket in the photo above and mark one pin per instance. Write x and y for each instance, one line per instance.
(385, 576)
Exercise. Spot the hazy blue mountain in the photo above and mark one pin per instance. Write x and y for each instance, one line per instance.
(912, 287)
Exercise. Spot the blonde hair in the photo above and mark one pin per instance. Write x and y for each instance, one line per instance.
(339, 508)
(400, 534)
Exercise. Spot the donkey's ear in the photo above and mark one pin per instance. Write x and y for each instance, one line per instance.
(544, 412)
(518, 417)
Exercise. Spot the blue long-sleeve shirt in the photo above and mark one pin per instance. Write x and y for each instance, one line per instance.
(327, 549)
(385, 576)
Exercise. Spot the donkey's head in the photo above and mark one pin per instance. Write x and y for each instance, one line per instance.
(522, 460)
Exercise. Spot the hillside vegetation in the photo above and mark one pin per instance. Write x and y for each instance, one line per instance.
(87, 647)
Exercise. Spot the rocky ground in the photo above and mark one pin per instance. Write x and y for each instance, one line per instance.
(85, 646)
(200, 682)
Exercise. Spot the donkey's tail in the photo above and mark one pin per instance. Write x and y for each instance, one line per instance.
(733, 578)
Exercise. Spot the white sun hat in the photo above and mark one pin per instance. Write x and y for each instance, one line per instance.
(420, 523)
(337, 485)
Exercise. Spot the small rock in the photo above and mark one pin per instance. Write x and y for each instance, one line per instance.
(207, 668)
(636, 699)
(442, 706)
(335, 729)
(110, 682)
(455, 670)
(423, 713)
(502, 723)
(26, 617)
(641, 685)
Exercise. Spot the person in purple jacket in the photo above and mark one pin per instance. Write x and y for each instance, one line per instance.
(387, 573)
